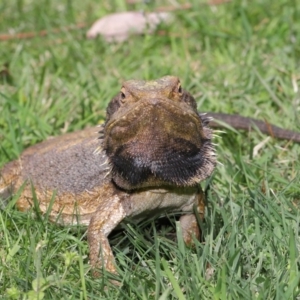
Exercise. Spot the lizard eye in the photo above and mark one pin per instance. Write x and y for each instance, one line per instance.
(122, 95)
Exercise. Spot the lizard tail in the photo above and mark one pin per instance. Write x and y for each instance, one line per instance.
(244, 123)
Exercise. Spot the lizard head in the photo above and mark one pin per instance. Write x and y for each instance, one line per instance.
(153, 136)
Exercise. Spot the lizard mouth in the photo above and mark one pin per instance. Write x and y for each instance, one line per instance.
(158, 141)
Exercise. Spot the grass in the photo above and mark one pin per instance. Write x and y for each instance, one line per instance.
(239, 57)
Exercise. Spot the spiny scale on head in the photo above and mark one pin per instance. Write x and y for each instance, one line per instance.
(205, 120)
(219, 131)
(105, 163)
(98, 150)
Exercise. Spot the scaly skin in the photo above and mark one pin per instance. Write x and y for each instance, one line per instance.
(153, 151)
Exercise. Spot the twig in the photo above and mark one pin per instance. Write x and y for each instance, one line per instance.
(183, 6)
(32, 34)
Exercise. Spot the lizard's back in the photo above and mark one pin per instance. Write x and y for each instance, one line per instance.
(68, 166)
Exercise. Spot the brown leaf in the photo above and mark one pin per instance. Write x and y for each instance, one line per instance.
(118, 26)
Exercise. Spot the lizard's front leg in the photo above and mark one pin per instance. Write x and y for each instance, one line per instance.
(188, 222)
(106, 218)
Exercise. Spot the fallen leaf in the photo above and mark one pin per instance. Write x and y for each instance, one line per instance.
(118, 26)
